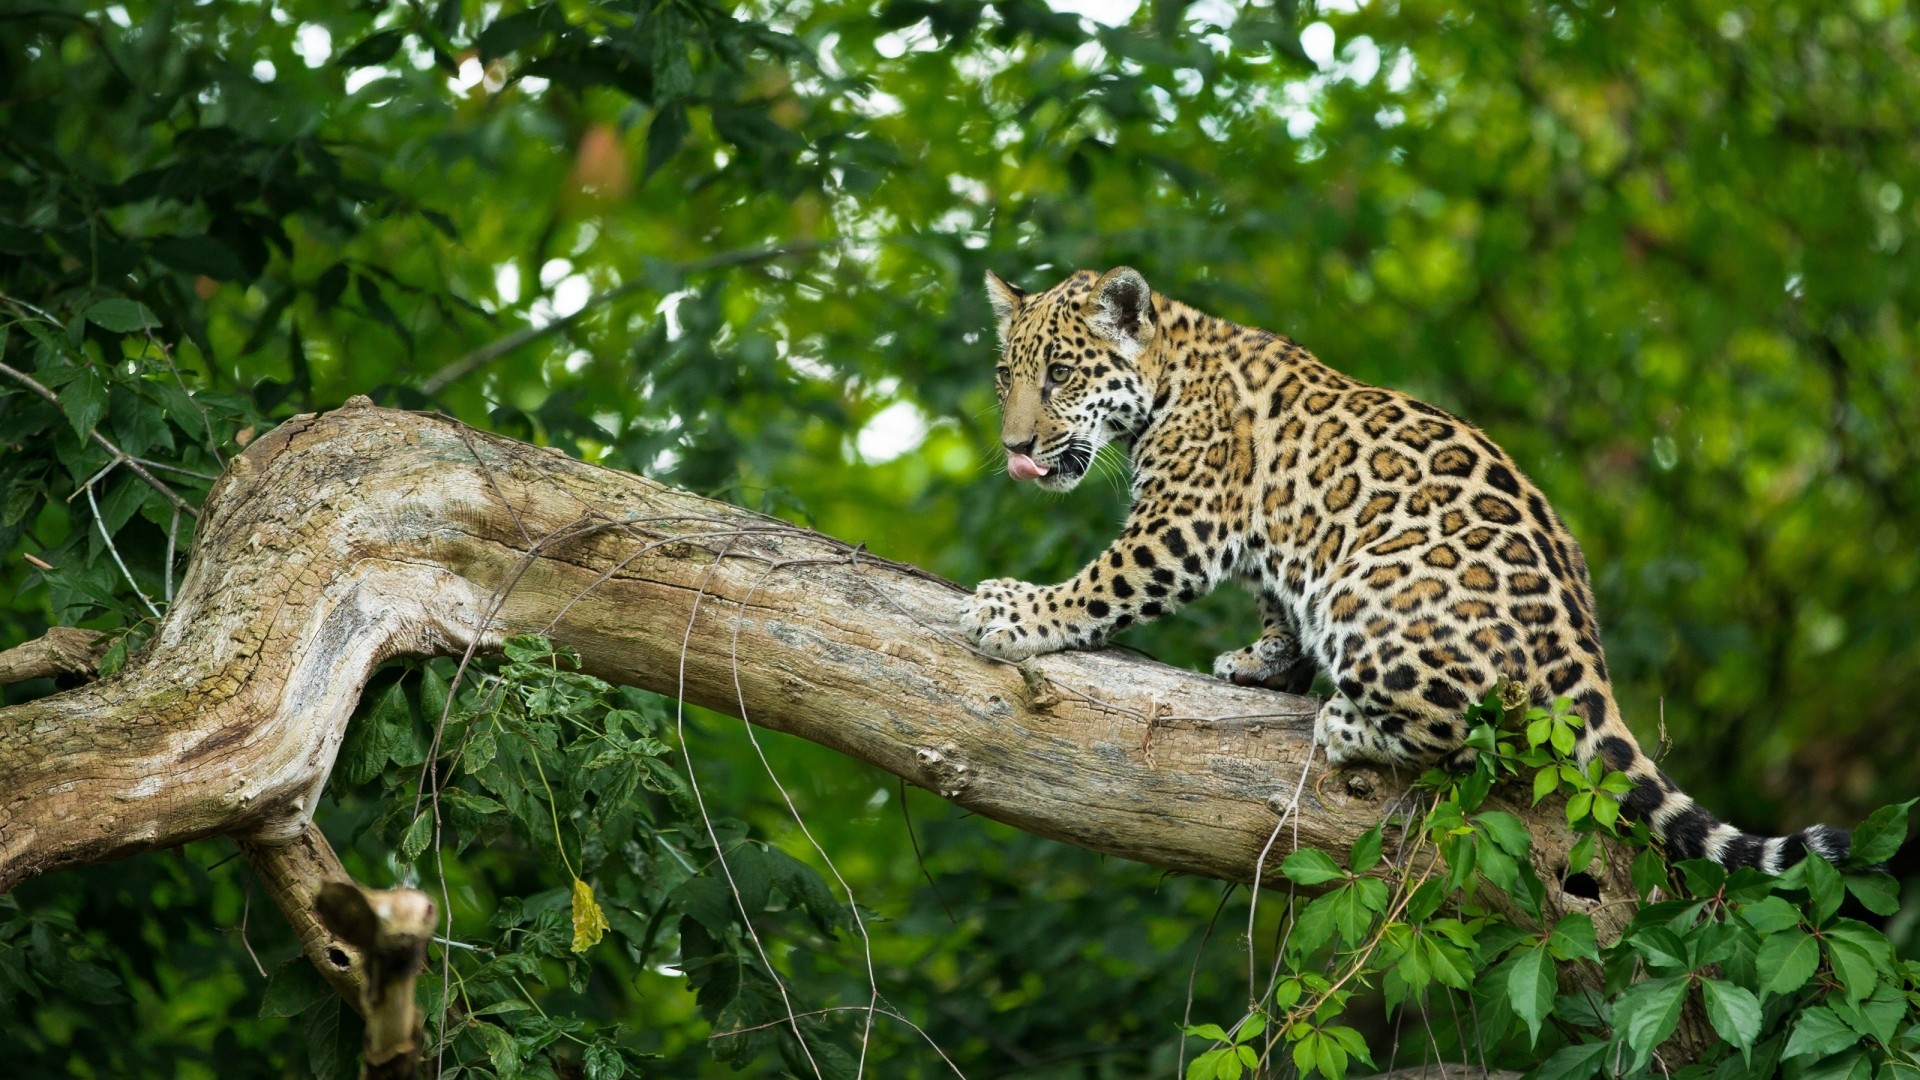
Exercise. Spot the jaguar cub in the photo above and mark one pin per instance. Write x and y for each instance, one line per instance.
(1392, 545)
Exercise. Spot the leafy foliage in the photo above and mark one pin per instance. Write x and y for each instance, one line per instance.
(1658, 251)
(1782, 978)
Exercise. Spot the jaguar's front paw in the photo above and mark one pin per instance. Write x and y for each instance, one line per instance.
(1004, 620)
(1268, 662)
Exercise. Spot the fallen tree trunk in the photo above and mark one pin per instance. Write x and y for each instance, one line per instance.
(340, 541)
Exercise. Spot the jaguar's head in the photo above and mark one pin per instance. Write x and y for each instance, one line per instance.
(1069, 377)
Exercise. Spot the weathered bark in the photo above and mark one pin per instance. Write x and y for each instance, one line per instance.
(340, 541)
(390, 928)
(63, 650)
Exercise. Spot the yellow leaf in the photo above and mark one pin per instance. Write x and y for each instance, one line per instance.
(589, 922)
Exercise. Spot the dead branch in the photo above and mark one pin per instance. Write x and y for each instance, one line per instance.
(63, 650)
(338, 542)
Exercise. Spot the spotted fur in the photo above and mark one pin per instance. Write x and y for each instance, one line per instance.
(1391, 544)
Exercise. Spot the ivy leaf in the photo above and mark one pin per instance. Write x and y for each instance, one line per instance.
(1823, 886)
(1791, 956)
(1365, 854)
(1817, 1033)
(1660, 946)
(1879, 837)
(1352, 913)
(1878, 893)
(1530, 988)
(1309, 866)
(1545, 783)
(1573, 1062)
(1649, 872)
(1573, 938)
(1859, 954)
(1451, 966)
(1506, 831)
(1654, 1014)
(1853, 1065)
(1734, 1013)
(1770, 915)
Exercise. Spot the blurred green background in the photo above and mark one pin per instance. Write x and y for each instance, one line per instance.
(1657, 251)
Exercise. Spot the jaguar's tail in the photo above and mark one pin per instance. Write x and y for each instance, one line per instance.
(1684, 828)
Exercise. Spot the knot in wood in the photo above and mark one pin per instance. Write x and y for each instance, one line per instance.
(1040, 695)
(943, 770)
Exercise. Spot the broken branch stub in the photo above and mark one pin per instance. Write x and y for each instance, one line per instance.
(339, 541)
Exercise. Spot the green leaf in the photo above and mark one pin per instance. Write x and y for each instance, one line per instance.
(1823, 886)
(1702, 877)
(1309, 866)
(1365, 854)
(1573, 938)
(602, 1061)
(1791, 957)
(1506, 831)
(418, 836)
(1859, 954)
(375, 48)
(1353, 910)
(1879, 837)
(122, 316)
(85, 400)
(294, 987)
(1451, 966)
(1213, 1032)
(1655, 1012)
(1250, 1028)
(1649, 872)
(1734, 1013)
(664, 135)
(1573, 1062)
(1581, 855)
(1770, 915)
(1350, 1040)
(1660, 946)
(1853, 1065)
(502, 1051)
(1878, 1017)
(1817, 1033)
(1877, 892)
(1530, 989)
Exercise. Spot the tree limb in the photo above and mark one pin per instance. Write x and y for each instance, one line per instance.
(340, 541)
(63, 650)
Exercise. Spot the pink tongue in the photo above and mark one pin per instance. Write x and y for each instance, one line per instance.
(1022, 467)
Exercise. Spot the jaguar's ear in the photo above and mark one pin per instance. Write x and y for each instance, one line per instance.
(1005, 300)
(1123, 308)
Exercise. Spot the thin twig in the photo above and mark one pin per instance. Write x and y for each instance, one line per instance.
(700, 803)
(106, 444)
(114, 550)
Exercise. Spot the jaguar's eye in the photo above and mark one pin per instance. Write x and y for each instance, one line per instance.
(1059, 373)
(1001, 373)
